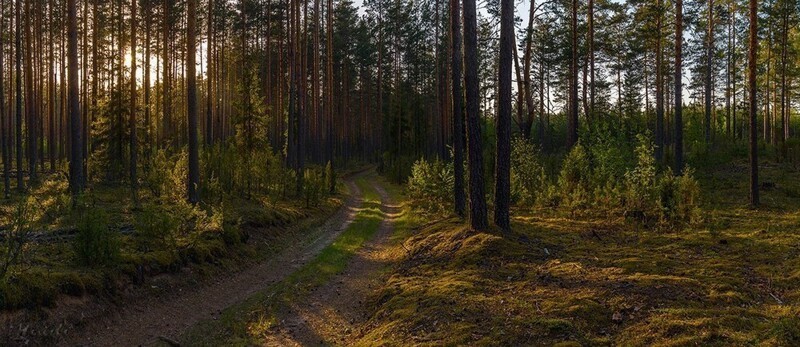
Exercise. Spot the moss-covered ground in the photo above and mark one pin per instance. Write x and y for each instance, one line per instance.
(557, 279)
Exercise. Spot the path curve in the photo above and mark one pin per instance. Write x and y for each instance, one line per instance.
(334, 313)
(148, 321)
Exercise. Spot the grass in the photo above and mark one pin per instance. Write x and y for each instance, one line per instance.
(207, 240)
(557, 279)
(248, 322)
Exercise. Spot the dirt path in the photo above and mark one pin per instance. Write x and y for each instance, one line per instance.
(332, 314)
(164, 319)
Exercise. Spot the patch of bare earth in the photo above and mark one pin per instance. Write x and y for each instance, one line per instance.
(164, 318)
(334, 313)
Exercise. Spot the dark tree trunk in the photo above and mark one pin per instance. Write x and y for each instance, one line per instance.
(572, 119)
(134, 151)
(18, 58)
(209, 135)
(3, 130)
(752, 66)
(709, 67)
(477, 197)
(502, 191)
(678, 87)
(591, 55)
(458, 116)
(76, 152)
(191, 99)
(659, 150)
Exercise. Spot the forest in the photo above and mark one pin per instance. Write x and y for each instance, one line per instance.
(400, 172)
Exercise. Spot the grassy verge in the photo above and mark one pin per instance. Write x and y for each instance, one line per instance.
(178, 237)
(247, 322)
(564, 280)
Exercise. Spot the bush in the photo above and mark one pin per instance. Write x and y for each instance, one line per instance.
(660, 197)
(95, 243)
(313, 186)
(528, 178)
(431, 185)
(155, 229)
(15, 238)
(575, 178)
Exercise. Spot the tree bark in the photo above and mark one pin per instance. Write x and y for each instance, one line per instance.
(502, 191)
(752, 66)
(679, 87)
(478, 217)
(458, 99)
(191, 99)
(572, 119)
(76, 152)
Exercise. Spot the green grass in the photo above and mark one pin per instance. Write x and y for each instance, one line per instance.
(246, 323)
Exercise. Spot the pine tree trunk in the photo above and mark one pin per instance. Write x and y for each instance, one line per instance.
(477, 197)
(572, 119)
(659, 150)
(134, 150)
(191, 99)
(76, 153)
(502, 192)
(752, 66)
(709, 67)
(679, 87)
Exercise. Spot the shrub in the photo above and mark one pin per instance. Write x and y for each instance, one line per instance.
(15, 238)
(575, 178)
(313, 186)
(431, 185)
(528, 178)
(155, 229)
(95, 243)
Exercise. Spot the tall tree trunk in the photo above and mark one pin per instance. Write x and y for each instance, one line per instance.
(678, 87)
(659, 150)
(3, 130)
(784, 105)
(502, 191)
(18, 58)
(709, 67)
(752, 66)
(572, 119)
(76, 153)
(30, 97)
(134, 150)
(209, 135)
(191, 99)
(458, 100)
(166, 79)
(329, 85)
(591, 56)
(148, 121)
(478, 217)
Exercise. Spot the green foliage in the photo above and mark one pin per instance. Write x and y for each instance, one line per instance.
(95, 243)
(313, 186)
(155, 228)
(15, 237)
(431, 185)
(575, 178)
(528, 178)
(330, 178)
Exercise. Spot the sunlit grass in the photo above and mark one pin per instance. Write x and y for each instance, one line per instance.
(249, 322)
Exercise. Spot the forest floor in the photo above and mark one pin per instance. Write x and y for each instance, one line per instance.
(164, 318)
(325, 301)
